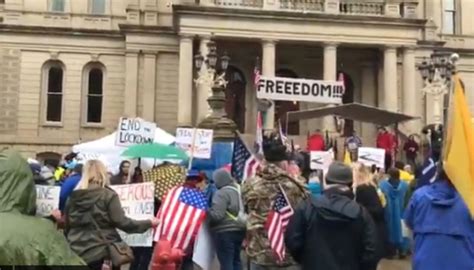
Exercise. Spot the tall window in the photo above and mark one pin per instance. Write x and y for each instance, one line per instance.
(449, 17)
(94, 97)
(54, 92)
(56, 5)
(97, 6)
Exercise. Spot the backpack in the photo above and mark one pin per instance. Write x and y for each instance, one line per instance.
(241, 217)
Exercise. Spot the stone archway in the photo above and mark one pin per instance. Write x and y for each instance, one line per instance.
(235, 97)
(49, 158)
(282, 107)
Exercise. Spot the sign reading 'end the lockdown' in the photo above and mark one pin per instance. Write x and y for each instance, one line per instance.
(276, 88)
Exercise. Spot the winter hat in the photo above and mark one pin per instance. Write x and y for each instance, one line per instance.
(222, 178)
(274, 150)
(339, 173)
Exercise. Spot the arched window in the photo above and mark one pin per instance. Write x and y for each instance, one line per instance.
(94, 92)
(97, 6)
(53, 77)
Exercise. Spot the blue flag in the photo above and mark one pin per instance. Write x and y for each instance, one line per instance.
(428, 173)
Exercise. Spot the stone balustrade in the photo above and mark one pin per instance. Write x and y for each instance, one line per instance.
(389, 8)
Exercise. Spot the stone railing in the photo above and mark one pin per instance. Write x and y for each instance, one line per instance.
(389, 8)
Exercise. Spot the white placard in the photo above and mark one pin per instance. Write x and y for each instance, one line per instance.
(138, 203)
(371, 156)
(202, 141)
(132, 131)
(47, 199)
(204, 250)
(291, 89)
(320, 160)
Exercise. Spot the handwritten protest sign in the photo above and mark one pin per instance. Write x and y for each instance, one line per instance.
(320, 160)
(138, 203)
(202, 139)
(278, 88)
(371, 156)
(132, 131)
(47, 199)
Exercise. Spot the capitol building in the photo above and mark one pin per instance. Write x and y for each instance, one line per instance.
(69, 69)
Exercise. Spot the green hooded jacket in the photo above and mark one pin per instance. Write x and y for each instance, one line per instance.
(24, 238)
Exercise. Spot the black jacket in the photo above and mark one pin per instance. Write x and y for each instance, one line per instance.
(332, 232)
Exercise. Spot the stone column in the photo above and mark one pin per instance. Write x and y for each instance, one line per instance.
(390, 94)
(131, 84)
(185, 83)
(149, 79)
(410, 100)
(268, 70)
(329, 74)
(369, 97)
(203, 90)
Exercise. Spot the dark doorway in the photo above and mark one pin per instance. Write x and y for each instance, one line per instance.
(282, 107)
(348, 97)
(235, 97)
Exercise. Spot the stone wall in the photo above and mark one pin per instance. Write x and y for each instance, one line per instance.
(9, 86)
(166, 101)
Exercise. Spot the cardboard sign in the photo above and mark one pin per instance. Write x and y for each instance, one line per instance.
(47, 199)
(276, 88)
(371, 156)
(132, 131)
(320, 160)
(202, 139)
(138, 203)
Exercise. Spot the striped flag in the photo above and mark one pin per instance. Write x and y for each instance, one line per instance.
(428, 173)
(181, 214)
(244, 163)
(259, 135)
(284, 139)
(340, 78)
(276, 223)
(256, 76)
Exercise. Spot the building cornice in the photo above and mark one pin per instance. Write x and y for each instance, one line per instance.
(296, 16)
(147, 29)
(59, 31)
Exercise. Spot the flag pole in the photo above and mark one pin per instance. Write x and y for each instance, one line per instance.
(191, 156)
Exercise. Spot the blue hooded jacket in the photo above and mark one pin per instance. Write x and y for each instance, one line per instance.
(67, 188)
(443, 228)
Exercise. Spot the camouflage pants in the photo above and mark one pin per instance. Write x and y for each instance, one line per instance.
(254, 266)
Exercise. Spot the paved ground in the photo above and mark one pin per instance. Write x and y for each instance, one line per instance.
(395, 265)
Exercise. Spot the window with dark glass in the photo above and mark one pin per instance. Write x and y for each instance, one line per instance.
(57, 5)
(95, 96)
(97, 6)
(54, 94)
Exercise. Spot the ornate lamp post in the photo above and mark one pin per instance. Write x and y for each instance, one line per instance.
(211, 73)
(436, 74)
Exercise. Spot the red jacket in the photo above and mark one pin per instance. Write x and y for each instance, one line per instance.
(386, 141)
(315, 143)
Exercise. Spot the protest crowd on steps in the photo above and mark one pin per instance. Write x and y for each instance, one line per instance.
(273, 212)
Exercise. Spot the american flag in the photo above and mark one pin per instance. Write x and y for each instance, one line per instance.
(244, 163)
(341, 79)
(277, 221)
(181, 216)
(284, 139)
(256, 76)
(259, 134)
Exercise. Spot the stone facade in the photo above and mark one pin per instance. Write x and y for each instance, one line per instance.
(146, 46)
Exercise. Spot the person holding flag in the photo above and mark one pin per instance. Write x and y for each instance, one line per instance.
(269, 197)
(441, 214)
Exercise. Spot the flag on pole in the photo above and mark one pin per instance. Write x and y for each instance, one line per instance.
(276, 223)
(428, 173)
(284, 139)
(341, 79)
(244, 163)
(259, 135)
(256, 76)
(458, 155)
(181, 215)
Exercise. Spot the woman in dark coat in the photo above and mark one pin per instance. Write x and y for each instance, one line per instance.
(122, 177)
(366, 194)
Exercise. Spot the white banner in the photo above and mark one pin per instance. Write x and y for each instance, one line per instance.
(276, 88)
(138, 203)
(202, 141)
(47, 199)
(204, 250)
(132, 131)
(320, 160)
(371, 156)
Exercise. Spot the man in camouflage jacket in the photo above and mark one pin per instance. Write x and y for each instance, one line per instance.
(258, 194)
